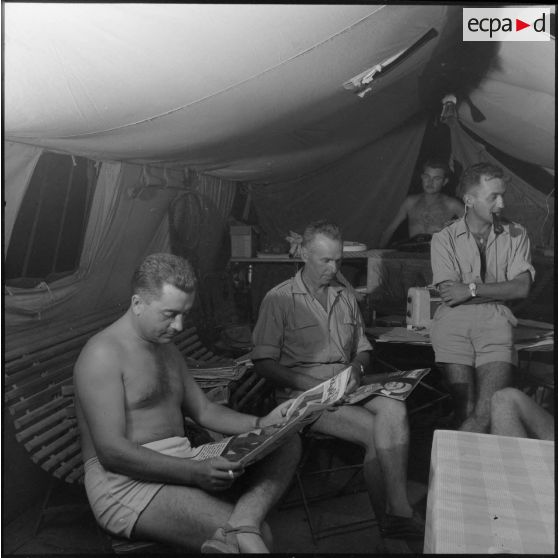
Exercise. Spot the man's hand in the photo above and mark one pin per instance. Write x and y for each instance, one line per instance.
(277, 415)
(216, 473)
(356, 376)
(454, 293)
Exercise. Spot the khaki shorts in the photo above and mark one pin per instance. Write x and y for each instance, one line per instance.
(474, 334)
(117, 500)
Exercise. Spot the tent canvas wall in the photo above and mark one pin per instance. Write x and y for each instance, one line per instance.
(255, 93)
(320, 110)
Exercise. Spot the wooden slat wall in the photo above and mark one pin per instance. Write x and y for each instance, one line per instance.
(39, 390)
(38, 367)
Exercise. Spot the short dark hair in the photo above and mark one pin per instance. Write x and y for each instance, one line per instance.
(436, 163)
(327, 228)
(472, 175)
(157, 270)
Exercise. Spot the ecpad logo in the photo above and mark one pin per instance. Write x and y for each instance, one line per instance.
(512, 23)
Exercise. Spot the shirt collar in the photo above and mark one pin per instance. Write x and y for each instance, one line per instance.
(461, 227)
(300, 288)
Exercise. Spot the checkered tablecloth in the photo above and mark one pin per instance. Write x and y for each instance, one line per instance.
(490, 494)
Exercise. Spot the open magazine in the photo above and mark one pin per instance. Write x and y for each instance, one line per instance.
(255, 444)
(396, 385)
(251, 446)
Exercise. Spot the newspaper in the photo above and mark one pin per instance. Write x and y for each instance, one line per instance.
(321, 396)
(396, 385)
(251, 446)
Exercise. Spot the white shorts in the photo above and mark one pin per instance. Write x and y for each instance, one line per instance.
(474, 334)
(117, 500)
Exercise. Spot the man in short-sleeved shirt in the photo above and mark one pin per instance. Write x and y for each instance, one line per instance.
(310, 328)
(478, 262)
(303, 336)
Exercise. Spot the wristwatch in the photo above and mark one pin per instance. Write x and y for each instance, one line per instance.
(473, 289)
(361, 368)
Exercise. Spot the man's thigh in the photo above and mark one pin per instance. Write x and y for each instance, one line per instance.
(348, 422)
(537, 421)
(183, 516)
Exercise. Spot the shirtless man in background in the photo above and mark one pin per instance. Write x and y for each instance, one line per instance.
(132, 391)
(430, 211)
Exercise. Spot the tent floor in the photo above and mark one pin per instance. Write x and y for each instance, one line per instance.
(74, 536)
(77, 533)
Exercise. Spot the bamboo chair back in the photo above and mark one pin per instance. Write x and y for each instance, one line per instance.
(39, 392)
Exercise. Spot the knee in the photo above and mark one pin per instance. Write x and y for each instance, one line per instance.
(391, 409)
(504, 398)
(503, 401)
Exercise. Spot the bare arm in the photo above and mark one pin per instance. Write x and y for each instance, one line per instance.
(220, 418)
(454, 293)
(359, 363)
(397, 220)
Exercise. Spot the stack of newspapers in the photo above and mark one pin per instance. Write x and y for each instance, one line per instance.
(209, 375)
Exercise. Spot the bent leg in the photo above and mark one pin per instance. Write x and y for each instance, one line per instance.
(183, 516)
(459, 380)
(186, 516)
(382, 430)
(513, 413)
(266, 481)
(391, 436)
(490, 377)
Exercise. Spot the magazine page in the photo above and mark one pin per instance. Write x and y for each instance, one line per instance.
(250, 446)
(397, 385)
(255, 444)
(321, 396)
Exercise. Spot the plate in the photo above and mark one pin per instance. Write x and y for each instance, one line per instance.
(349, 246)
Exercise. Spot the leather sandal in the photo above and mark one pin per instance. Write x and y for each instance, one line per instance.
(224, 540)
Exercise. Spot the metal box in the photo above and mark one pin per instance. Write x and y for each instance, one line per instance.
(420, 307)
(242, 241)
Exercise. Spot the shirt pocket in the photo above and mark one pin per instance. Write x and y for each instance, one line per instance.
(305, 340)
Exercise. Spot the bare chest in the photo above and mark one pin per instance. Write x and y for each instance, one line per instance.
(431, 217)
(151, 380)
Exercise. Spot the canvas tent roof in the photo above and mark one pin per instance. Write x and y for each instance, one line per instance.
(251, 92)
(321, 107)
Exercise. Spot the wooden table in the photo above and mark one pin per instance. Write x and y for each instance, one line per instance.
(490, 494)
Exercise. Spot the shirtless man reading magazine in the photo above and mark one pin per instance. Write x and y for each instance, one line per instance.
(133, 390)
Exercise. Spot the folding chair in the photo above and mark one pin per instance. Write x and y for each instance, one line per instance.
(314, 446)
